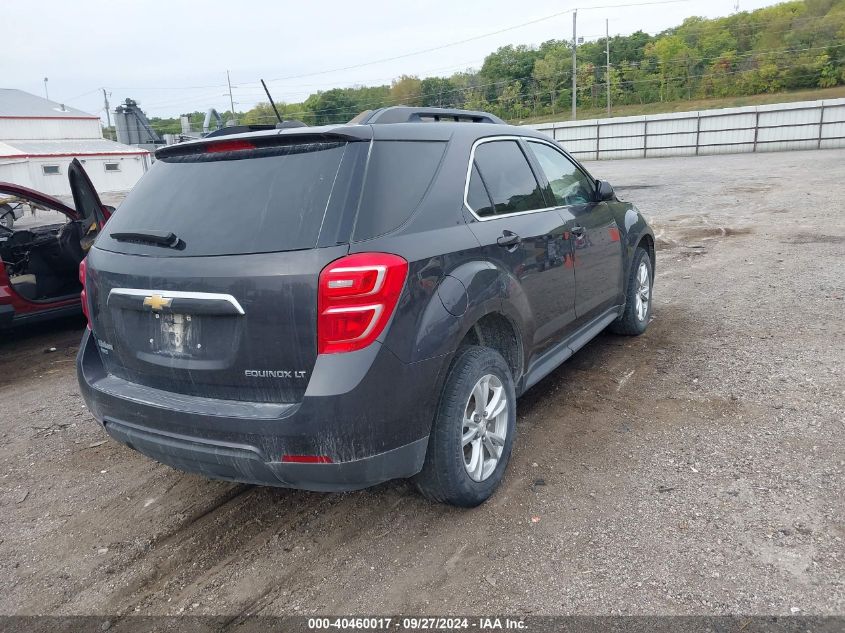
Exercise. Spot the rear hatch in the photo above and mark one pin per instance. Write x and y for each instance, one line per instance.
(204, 281)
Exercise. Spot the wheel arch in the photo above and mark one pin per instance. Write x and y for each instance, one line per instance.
(474, 302)
(499, 332)
(498, 314)
(647, 242)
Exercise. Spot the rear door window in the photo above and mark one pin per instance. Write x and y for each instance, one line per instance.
(273, 199)
(398, 175)
(509, 180)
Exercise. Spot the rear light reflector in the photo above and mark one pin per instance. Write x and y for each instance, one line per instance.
(306, 459)
(83, 296)
(357, 296)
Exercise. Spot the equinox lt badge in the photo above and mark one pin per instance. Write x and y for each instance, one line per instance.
(273, 373)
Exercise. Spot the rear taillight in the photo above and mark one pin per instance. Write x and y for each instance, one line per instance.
(83, 274)
(357, 296)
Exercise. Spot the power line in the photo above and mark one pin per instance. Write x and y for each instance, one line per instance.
(733, 58)
(746, 28)
(742, 28)
(658, 61)
(469, 39)
(726, 57)
(622, 83)
(656, 38)
(757, 28)
(598, 37)
(363, 82)
(84, 94)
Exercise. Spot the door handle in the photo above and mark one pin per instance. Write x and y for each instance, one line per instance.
(508, 239)
(577, 231)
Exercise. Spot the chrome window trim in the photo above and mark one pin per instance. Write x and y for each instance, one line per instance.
(526, 139)
(490, 139)
(179, 294)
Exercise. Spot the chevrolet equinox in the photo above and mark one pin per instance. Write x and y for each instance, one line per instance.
(332, 307)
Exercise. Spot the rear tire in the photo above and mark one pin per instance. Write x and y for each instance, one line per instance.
(472, 435)
(638, 299)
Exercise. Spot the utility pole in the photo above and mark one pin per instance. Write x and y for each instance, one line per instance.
(574, 64)
(607, 51)
(108, 112)
(231, 98)
(46, 94)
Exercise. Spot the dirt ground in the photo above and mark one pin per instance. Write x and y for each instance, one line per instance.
(697, 469)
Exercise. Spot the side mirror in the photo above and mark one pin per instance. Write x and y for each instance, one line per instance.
(605, 190)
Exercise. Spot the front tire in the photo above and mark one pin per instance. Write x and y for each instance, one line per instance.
(638, 299)
(472, 435)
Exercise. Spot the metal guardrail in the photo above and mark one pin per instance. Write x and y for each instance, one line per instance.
(603, 140)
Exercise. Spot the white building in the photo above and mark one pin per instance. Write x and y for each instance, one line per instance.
(39, 139)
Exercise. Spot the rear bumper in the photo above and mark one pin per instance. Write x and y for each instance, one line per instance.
(370, 414)
(234, 462)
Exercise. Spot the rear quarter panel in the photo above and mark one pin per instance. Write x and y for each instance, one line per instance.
(437, 243)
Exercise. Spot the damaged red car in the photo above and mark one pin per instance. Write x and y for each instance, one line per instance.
(39, 261)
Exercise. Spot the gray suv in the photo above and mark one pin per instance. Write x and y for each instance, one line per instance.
(332, 307)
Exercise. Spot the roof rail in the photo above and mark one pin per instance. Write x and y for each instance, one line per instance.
(406, 114)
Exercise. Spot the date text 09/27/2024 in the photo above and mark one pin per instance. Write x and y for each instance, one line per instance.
(418, 624)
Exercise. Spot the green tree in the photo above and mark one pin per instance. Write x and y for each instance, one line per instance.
(673, 58)
(262, 113)
(406, 90)
(438, 91)
(331, 106)
(509, 64)
(553, 71)
(788, 46)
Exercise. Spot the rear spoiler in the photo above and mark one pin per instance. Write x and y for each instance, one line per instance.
(263, 140)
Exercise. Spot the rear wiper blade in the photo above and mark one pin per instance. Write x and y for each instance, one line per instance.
(157, 238)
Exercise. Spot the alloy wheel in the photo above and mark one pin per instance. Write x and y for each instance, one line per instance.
(643, 291)
(485, 427)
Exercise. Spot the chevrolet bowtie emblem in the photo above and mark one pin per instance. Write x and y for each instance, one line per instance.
(157, 302)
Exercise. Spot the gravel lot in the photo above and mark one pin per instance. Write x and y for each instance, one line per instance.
(697, 469)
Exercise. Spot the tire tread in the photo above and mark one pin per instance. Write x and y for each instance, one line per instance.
(441, 476)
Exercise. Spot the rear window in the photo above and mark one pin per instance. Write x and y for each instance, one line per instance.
(398, 175)
(509, 180)
(231, 203)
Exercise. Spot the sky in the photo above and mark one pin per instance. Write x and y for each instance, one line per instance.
(172, 56)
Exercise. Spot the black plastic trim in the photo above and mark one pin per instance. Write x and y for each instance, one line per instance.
(553, 358)
(243, 463)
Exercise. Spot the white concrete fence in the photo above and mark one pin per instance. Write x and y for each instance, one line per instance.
(765, 128)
